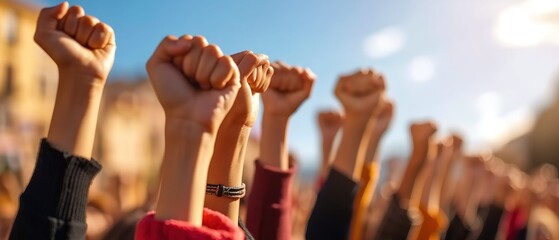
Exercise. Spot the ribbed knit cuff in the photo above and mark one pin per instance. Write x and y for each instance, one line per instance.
(60, 184)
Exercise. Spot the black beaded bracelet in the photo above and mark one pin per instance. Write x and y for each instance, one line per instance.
(223, 191)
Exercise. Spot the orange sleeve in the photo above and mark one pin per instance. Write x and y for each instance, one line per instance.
(363, 200)
(433, 224)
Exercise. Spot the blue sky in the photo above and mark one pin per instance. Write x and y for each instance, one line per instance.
(479, 67)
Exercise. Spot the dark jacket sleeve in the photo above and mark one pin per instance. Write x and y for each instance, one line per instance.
(491, 222)
(396, 223)
(54, 203)
(457, 229)
(331, 215)
(269, 205)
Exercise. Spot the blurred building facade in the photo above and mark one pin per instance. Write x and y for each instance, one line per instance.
(28, 79)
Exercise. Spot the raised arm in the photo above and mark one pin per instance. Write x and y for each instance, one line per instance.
(195, 96)
(54, 203)
(329, 123)
(421, 134)
(269, 206)
(227, 162)
(377, 126)
(360, 94)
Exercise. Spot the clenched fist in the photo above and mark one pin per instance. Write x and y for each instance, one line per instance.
(384, 117)
(289, 87)
(255, 72)
(421, 133)
(78, 43)
(330, 122)
(200, 92)
(361, 92)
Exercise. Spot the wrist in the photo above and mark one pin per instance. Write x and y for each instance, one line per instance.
(273, 144)
(276, 114)
(80, 81)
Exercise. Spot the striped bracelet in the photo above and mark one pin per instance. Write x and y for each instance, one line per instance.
(223, 191)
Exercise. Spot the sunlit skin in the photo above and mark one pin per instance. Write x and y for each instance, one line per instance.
(329, 122)
(195, 98)
(360, 94)
(289, 88)
(83, 48)
(421, 135)
(227, 162)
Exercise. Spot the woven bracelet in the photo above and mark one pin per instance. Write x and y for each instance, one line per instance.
(224, 191)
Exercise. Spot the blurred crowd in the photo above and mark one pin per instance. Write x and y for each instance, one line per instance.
(439, 191)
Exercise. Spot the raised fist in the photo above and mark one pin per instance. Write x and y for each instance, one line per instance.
(255, 72)
(330, 122)
(422, 132)
(384, 117)
(289, 87)
(203, 91)
(360, 93)
(78, 43)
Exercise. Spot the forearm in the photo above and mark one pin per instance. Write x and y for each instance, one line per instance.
(188, 150)
(273, 145)
(425, 185)
(442, 179)
(372, 148)
(327, 145)
(74, 119)
(347, 160)
(226, 168)
(461, 197)
(411, 173)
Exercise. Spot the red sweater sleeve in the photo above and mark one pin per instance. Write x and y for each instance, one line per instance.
(269, 203)
(215, 226)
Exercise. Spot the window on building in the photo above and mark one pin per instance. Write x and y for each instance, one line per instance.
(11, 27)
(8, 87)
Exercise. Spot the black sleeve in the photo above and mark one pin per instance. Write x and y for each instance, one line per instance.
(54, 203)
(396, 223)
(331, 215)
(491, 222)
(457, 229)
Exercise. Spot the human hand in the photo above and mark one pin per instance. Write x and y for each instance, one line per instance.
(384, 117)
(360, 93)
(289, 87)
(203, 91)
(330, 122)
(82, 47)
(255, 73)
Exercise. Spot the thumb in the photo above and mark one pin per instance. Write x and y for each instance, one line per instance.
(170, 47)
(49, 17)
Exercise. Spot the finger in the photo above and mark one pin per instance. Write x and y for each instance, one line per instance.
(49, 17)
(177, 61)
(309, 81)
(248, 63)
(70, 26)
(259, 79)
(238, 57)
(269, 74)
(207, 62)
(100, 36)
(191, 59)
(85, 29)
(169, 48)
(223, 72)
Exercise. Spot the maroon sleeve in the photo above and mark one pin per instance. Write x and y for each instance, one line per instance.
(269, 203)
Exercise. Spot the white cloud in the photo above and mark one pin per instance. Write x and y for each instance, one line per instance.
(385, 42)
(422, 69)
(496, 128)
(529, 23)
